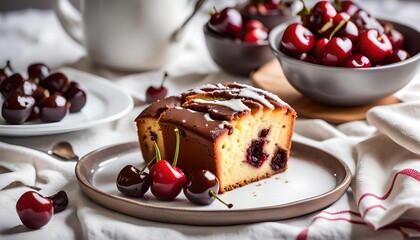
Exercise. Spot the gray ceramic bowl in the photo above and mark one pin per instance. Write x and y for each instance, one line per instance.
(338, 86)
(235, 56)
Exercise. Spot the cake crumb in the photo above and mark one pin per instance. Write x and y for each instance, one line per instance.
(286, 181)
(258, 185)
(254, 194)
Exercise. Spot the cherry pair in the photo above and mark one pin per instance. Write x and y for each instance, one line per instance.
(35, 210)
(165, 180)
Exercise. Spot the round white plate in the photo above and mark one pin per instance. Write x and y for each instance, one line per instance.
(313, 181)
(105, 102)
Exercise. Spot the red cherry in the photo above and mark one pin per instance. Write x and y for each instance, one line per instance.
(336, 50)
(256, 35)
(340, 17)
(153, 94)
(356, 61)
(253, 24)
(167, 179)
(35, 210)
(133, 182)
(319, 47)
(375, 46)
(201, 188)
(76, 96)
(321, 13)
(38, 72)
(350, 31)
(396, 39)
(53, 108)
(347, 6)
(56, 82)
(10, 84)
(297, 39)
(17, 108)
(397, 55)
(227, 22)
(272, 4)
(365, 21)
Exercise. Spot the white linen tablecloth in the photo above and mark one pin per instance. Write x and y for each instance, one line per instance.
(382, 152)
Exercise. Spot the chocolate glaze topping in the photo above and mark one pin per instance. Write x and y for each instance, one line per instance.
(209, 110)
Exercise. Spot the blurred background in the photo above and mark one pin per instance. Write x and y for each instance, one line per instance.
(11, 5)
(30, 31)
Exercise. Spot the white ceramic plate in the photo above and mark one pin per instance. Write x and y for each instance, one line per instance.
(105, 102)
(313, 181)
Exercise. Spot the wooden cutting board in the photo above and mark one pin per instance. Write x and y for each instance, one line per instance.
(271, 78)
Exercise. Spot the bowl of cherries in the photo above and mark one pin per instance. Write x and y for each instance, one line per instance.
(270, 12)
(340, 55)
(236, 46)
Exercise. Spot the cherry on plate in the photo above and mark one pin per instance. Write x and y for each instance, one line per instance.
(56, 82)
(76, 96)
(17, 108)
(53, 108)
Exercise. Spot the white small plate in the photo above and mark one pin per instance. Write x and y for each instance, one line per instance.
(313, 181)
(105, 102)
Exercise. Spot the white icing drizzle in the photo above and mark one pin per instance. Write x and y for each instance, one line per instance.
(207, 117)
(207, 86)
(234, 104)
(269, 94)
(248, 93)
(223, 124)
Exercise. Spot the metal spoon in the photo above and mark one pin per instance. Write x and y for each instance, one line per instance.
(175, 37)
(63, 150)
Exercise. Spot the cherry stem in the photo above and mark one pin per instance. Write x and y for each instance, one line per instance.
(337, 28)
(326, 26)
(213, 11)
(147, 165)
(229, 205)
(338, 5)
(176, 147)
(158, 157)
(165, 75)
(8, 66)
(305, 10)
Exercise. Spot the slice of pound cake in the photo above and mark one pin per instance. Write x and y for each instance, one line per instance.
(240, 133)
